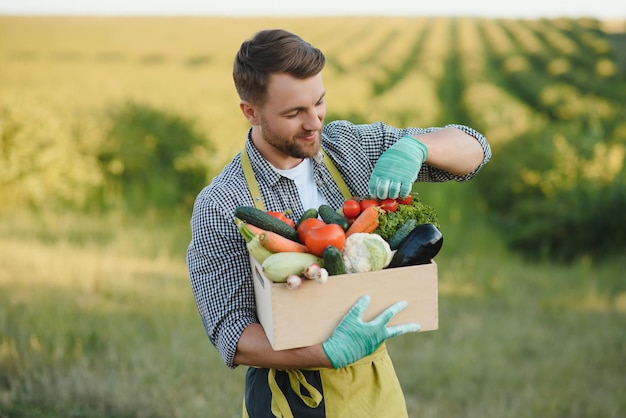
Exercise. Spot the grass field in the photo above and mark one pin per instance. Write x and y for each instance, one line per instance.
(97, 318)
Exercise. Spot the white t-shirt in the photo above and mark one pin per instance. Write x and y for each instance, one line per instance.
(302, 175)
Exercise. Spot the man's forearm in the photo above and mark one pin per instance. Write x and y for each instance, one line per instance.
(254, 349)
(452, 150)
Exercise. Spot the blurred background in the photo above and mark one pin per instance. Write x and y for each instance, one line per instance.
(114, 116)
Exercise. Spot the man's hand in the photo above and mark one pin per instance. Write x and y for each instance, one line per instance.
(354, 339)
(396, 169)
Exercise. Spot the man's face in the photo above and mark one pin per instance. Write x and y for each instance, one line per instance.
(292, 117)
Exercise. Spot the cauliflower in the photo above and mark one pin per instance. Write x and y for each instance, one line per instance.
(364, 252)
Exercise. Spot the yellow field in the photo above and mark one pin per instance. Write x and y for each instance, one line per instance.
(60, 77)
(76, 67)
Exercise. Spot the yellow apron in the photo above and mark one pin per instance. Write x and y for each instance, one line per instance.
(366, 388)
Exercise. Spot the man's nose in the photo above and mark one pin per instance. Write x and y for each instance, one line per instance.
(314, 121)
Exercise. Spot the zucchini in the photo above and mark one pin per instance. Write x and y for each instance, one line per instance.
(331, 216)
(278, 266)
(420, 247)
(265, 221)
(333, 261)
(309, 213)
(401, 233)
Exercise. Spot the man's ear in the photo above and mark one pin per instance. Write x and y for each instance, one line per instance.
(249, 112)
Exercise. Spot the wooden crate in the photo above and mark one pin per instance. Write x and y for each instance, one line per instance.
(308, 315)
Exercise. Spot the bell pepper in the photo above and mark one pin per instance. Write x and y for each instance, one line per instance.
(282, 216)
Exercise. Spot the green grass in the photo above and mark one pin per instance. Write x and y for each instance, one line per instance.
(517, 338)
(518, 341)
(97, 320)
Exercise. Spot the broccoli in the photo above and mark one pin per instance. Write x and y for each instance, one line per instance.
(389, 222)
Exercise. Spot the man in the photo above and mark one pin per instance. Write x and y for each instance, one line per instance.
(278, 78)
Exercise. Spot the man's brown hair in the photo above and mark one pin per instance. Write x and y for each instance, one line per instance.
(273, 51)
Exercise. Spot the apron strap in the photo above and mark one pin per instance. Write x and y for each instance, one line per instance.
(297, 381)
(339, 181)
(253, 185)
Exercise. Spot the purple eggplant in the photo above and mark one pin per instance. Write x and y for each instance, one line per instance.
(419, 247)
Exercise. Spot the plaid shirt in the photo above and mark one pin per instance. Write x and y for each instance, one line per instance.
(218, 262)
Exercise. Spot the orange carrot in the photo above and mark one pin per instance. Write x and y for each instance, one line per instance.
(276, 243)
(255, 229)
(367, 221)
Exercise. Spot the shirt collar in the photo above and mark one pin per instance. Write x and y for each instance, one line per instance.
(263, 171)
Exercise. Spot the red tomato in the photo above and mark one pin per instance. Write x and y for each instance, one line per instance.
(317, 239)
(389, 205)
(308, 224)
(405, 200)
(366, 203)
(281, 216)
(351, 208)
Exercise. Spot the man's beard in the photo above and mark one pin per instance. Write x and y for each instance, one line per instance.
(290, 146)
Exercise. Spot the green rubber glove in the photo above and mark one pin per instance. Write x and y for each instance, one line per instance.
(354, 339)
(396, 169)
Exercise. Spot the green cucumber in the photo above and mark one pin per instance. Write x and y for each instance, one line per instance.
(309, 213)
(333, 261)
(401, 233)
(265, 221)
(331, 216)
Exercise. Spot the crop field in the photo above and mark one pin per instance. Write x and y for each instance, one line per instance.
(97, 318)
